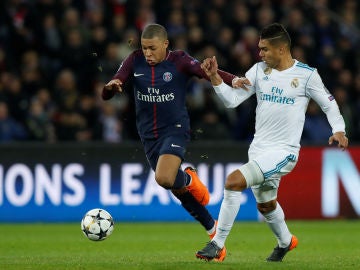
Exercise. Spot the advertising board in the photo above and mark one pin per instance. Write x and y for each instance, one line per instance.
(57, 183)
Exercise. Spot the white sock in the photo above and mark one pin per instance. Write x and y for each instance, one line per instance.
(276, 222)
(229, 209)
(212, 230)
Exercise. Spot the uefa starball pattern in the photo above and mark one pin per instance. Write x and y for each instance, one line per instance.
(97, 224)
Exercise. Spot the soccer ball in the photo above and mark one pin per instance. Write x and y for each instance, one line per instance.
(97, 224)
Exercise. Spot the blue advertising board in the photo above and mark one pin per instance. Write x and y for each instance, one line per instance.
(60, 182)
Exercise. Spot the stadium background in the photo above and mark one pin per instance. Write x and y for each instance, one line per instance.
(63, 150)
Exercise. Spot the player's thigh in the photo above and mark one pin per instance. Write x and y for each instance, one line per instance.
(273, 165)
(173, 145)
(267, 191)
(171, 155)
(167, 167)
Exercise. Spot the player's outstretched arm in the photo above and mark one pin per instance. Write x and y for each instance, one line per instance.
(340, 138)
(210, 67)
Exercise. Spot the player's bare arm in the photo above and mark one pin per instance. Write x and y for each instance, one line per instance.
(340, 138)
(114, 85)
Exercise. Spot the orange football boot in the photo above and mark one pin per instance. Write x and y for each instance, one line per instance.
(197, 188)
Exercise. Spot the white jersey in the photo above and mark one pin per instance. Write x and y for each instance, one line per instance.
(282, 99)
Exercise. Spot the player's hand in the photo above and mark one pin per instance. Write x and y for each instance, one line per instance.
(114, 85)
(340, 138)
(241, 82)
(210, 67)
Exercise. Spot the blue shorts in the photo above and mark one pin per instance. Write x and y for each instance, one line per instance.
(173, 144)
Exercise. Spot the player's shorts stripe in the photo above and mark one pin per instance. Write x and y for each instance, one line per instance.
(280, 165)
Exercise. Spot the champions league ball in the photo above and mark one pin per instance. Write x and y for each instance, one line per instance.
(97, 224)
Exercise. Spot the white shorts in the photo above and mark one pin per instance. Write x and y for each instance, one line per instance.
(273, 164)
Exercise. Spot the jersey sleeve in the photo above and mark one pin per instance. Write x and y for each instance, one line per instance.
(193, 68)
(232, 97)
(126, 68)
(317, 91)
(123, 73)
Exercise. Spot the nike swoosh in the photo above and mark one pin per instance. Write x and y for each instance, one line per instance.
(175, 145)
(138, 74)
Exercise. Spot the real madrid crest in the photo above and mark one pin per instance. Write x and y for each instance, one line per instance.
(267, 70)
(295, 83)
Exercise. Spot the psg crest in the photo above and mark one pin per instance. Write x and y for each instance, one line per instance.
(167, 76)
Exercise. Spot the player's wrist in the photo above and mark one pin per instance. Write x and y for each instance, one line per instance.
(216, 79)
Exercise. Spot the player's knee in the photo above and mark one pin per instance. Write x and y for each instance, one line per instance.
(252, 173)
(164, 181)
(235, 181)
(266, 207)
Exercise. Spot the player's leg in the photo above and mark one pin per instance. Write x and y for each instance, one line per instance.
(165, 160)
(236, 182)
(169, 175)
(230, 206)
(274, 166)
(167, 172)
(275, 218)
(165, 157)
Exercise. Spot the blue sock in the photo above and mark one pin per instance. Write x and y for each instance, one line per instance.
(182, 179)
(195, 209)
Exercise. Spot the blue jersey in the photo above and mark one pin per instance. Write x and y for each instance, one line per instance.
(160, 91)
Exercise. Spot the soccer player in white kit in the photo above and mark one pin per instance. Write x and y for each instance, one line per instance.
(283, 88)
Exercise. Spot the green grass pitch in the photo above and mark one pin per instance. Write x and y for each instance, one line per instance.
(322, 245)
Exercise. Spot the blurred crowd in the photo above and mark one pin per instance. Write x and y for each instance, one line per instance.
(56, 55)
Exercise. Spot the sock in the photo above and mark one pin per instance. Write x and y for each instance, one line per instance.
(182, 179)
(195, 209)
(276, 221)
(228, 211)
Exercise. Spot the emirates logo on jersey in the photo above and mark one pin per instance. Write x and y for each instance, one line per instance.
(167, 76)
(295, 83)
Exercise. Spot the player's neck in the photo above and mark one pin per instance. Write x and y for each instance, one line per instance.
(288, 62)
(166, 55)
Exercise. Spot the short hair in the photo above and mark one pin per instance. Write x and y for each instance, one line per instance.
(276, 33)
(154, 30)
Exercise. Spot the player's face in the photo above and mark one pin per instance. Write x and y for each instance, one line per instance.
(154, 49)
(270, 54)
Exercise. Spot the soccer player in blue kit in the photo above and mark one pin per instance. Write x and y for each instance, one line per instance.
(160, 77)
